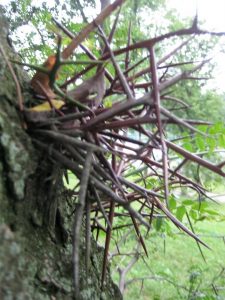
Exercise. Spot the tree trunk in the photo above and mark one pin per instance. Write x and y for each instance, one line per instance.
(35, 211)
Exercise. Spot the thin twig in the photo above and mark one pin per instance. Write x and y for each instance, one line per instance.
(156, 96)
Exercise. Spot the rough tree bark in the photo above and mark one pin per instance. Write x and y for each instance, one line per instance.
(35, 211)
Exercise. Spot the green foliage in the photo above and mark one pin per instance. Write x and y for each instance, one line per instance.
(34, 22)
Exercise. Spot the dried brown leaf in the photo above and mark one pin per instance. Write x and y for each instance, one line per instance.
(41, 78)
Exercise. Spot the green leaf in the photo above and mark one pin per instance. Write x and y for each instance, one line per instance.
(221, 140)
(193, 214)
(172, 203)
(188, 147)
(211, 141)
(188, 202)
(200, 143)
(108, 103)
(212, 212)
(159, 223)
(181, 210)
(199, 206)
(203, 128)
(151, 183)
(216, 128)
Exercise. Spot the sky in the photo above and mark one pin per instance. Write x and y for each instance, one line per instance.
(211, 12)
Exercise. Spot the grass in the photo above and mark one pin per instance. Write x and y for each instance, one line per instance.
(175, 268)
